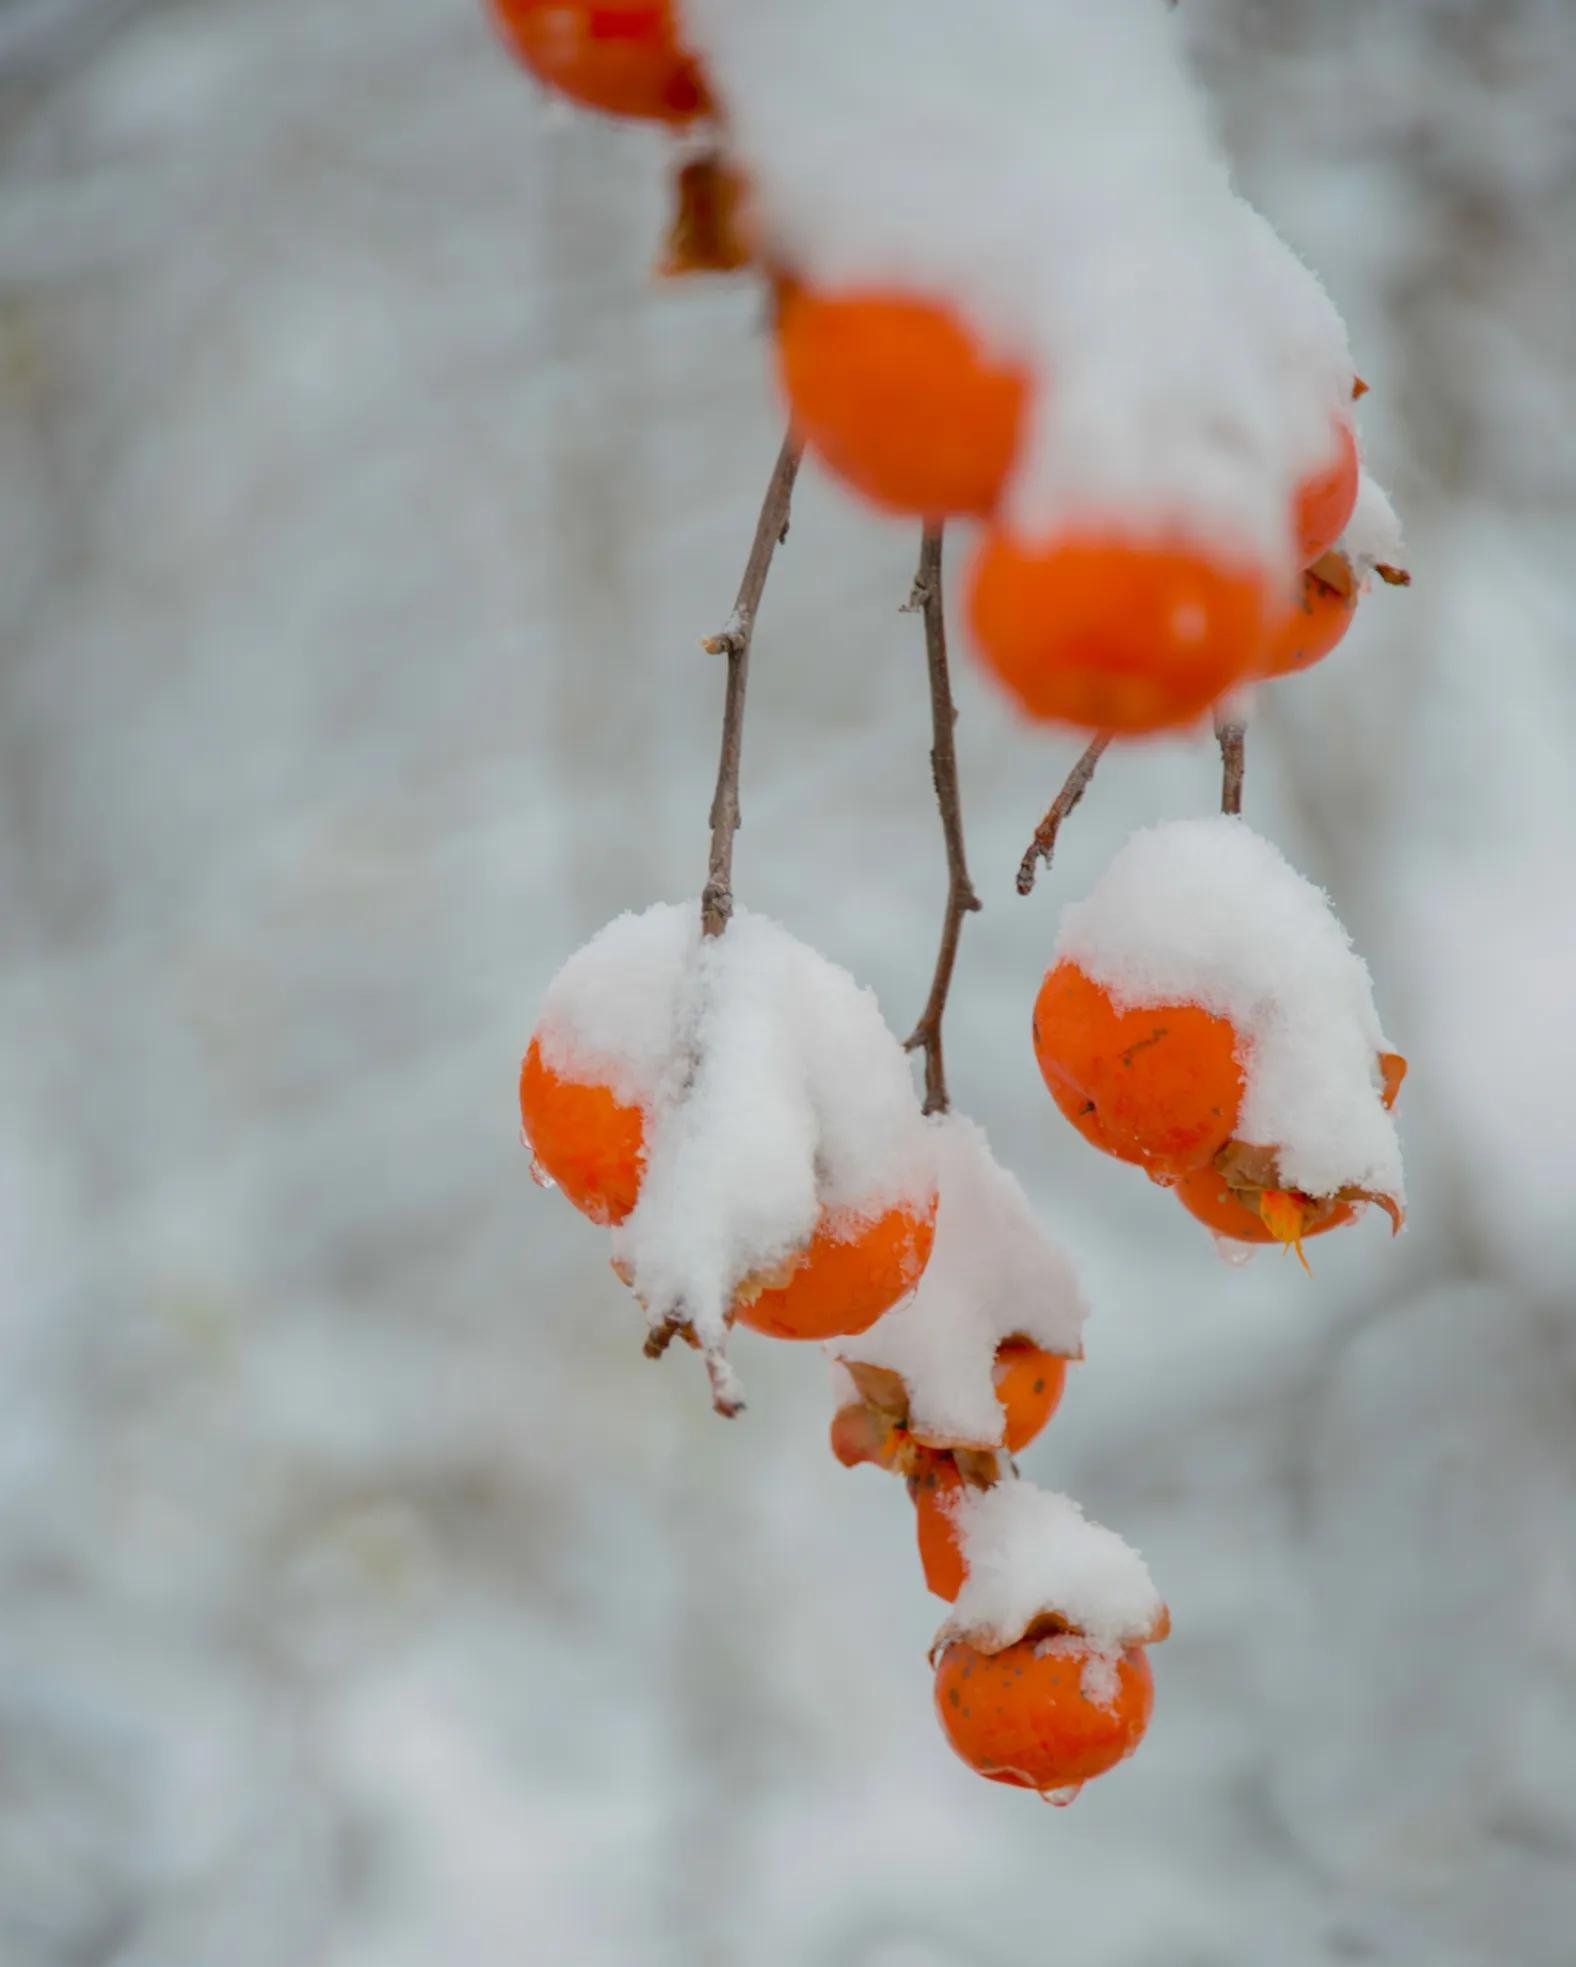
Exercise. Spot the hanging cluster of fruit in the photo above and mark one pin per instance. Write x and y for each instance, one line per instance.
(1158, 533)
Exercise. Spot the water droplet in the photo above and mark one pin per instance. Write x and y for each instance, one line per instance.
(1060, 1798)
(540, 1176)
(1230, 1251)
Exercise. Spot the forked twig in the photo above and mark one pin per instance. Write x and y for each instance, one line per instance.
(1043, 845)
(733, 640)
(1232, 735)
(716, 903)
(926, 598)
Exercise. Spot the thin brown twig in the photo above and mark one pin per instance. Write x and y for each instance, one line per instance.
(926, 598)
(1043, 845)
(733, 641)
(1232, 735)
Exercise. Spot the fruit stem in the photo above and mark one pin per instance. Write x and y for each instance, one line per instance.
(1043, 845)
(926, 598)
(1232, 736)
(733, 641)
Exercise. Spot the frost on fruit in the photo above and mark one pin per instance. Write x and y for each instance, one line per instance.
(1034, 1563)
(1206, 912)
(993, 1274)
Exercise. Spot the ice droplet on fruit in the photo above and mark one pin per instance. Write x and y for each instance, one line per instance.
(1060, 1798)
(1230, 1251)
(540, 1176)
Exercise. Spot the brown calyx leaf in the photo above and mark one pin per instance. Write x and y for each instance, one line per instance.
(1334, 571)
(709, 231)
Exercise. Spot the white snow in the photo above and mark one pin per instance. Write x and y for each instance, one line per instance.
(1373, 533)
(1030, 1552)
(1207, 912)
(993, 1273)
(772, 1087)
(1051, 172)
(611, 1013)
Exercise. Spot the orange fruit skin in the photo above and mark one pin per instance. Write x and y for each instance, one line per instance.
(934, 1485)
(1021, 1716)
(624, 59)
(1158, 1085)
(589, 1142)
(1029, 1384)
(1326, 497)
(1111, 634)
(895, 396)
(1204, 1194)
(842, 1283)
(1317, 622)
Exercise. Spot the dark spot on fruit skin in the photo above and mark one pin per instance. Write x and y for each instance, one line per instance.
(1039, 1386)
(1143, 1044)
(954, 1696)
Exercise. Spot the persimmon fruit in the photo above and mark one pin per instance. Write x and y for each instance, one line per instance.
(1114, 634)
(583, 1138)
(626, 59)
(1155, 1084)
(1044, 1714)
(899, 398)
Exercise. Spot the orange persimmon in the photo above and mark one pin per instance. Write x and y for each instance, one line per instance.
(1274, 1215)
(899, 399)
(626, 59)
(1326, 604)
(1326, 497)
(1029, 1383)
(582, 1137)
(935, 1486)
(1045, 1714)
(851, 1271)
(1114, 634)
(1157, 1084)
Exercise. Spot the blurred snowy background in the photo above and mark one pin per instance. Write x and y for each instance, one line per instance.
(368, 1600)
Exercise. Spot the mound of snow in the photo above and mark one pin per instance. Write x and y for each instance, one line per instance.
(1207, 912)
(772, 1090)
(1030, 1552)
(993, 1273)
(1373, 533)
(1049, 170)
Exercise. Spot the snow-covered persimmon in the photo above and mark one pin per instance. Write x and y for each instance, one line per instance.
(847, 1275)
(1044, 1714)
(582, 1137)
(1326, 603)
(897, 396)
(1114, 634)
(1325, 498)
(626, 59)
(1155, 1084)
(935, 1485)
(1029, 1382)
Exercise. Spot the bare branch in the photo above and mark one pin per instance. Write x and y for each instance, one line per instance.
(1232, 734)
(733, 641)
(1043, 845)
(926, 597)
